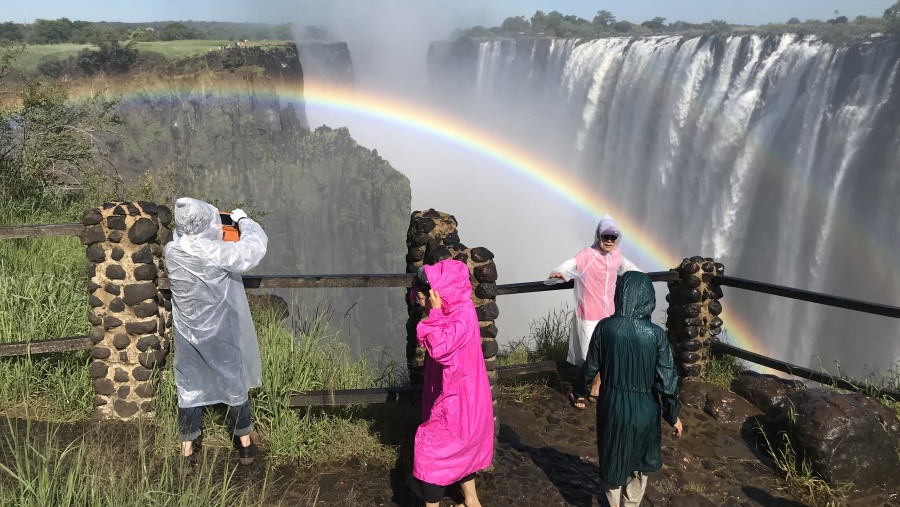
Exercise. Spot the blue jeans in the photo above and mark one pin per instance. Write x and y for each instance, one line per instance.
(240, 418)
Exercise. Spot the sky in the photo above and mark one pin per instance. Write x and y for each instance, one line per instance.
(462, 13)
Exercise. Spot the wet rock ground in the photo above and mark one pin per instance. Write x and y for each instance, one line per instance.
(546, 455)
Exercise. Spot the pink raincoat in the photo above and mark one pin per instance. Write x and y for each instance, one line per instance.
(457, 437)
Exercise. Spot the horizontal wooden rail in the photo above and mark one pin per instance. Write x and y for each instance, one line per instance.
(528, 287)
(373, 395)
(40, 231)
(402, 280)
(45, 346)
(814, 297)
(799, 371)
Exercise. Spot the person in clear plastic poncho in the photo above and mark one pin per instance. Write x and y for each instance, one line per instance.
(594, 270)
(216, 350)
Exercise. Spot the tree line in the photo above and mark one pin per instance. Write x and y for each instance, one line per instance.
(63, 31)
(605, 24)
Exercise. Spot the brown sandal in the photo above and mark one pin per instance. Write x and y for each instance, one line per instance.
(577, 402)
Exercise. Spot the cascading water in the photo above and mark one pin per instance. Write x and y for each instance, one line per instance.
(776, 155)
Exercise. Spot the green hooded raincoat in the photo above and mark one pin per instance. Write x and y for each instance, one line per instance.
(633, 357)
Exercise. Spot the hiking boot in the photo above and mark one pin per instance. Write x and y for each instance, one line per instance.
(247, 454)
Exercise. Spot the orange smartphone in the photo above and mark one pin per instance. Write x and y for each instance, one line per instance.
(229, 231)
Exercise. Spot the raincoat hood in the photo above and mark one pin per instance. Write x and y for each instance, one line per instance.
(635, 297)
(607, 226)
(194, 217)
(451, 279)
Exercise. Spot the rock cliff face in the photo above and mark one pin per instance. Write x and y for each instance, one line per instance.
(327, 61)
(233, 137)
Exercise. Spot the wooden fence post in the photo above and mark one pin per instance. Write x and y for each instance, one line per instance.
(129, 315)
(693, 314)
(432, 236)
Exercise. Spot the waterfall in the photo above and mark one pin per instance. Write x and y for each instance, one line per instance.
(777, 155)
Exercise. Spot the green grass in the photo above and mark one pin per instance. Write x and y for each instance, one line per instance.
(547, 340)
(172, 50)
(177, 49)
(50, 466)
(722, 370)
(43, 295)
(33, 55)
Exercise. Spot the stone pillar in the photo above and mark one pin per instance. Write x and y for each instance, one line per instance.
(432, 237)
(128, 313)
(693, 314)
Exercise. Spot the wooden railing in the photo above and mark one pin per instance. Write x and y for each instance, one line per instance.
(405, 279)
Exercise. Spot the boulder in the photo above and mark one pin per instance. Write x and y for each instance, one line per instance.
(844, 437)
(764, 391)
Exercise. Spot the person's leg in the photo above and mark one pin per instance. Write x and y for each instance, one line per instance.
(613, 493)
(433, 494)
(189, 428)
(634, 490)
(595, 389)
(240, 417)
(467, 485)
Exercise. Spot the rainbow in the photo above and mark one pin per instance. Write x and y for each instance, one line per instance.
(419, 118)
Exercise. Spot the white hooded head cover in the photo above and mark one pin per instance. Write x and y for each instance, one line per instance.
(607, 226)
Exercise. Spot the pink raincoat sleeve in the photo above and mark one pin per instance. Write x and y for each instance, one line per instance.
(441, 336)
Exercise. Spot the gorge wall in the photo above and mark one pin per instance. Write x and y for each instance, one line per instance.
(238, 134)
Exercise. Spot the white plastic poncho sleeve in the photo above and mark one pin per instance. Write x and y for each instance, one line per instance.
(216, 350)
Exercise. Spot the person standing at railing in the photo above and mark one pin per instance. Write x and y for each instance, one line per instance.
(594, 270)
(457, 438)
(633, 357)
(216, 350)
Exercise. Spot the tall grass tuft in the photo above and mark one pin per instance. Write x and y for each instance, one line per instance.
(49, 465)
(547, 340)
(801, 481)
(43, 295)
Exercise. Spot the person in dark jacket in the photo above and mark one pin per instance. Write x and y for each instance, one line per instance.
(633, 358)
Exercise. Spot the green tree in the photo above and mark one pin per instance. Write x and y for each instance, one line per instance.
(50, 31)
(515, 24)
(11, 32)
(622, 26)
(539, 22)
(604, 19)
(892, 16)
(110, 55)
(656, 24)
(143, 35)
(50, 66)
(176, 31)
(48, 144)
(718, 27)
(82, 32)
(793, 21)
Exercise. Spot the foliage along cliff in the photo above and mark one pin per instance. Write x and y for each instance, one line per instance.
(225, 126)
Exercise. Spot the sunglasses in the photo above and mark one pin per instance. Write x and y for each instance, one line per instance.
(609, 237)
